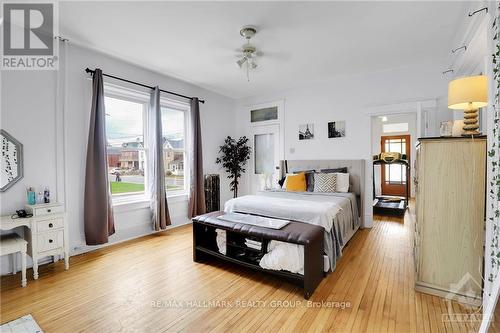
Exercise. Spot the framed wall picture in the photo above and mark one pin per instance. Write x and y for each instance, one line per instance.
(306, 132)
(11, 162)
(336, 129)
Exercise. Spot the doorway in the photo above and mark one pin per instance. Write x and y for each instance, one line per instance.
(396, 132)
(267, 142)
(393, 176)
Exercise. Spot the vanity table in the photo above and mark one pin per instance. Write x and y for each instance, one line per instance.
(46, 232)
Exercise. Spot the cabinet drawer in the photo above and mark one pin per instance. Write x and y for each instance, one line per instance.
(50, 240)
(41, 211)
(50, 224)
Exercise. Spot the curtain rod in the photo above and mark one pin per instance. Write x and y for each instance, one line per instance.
(88, 70)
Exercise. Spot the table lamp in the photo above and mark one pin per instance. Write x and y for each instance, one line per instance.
(469, 94)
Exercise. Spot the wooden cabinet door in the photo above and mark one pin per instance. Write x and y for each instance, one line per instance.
(451, 201)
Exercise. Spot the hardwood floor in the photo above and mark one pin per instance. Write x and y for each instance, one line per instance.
(152, 285)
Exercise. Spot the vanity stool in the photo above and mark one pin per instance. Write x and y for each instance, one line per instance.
(12, 244)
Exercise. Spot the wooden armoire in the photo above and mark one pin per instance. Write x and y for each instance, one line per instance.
(450, 216)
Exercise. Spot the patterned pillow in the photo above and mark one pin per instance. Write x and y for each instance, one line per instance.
(325, 182)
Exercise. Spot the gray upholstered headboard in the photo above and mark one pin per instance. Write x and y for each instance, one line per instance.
(355, 168)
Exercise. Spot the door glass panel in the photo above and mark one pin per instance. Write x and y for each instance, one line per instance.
(395, 173)
(395, 146)
(264, 153)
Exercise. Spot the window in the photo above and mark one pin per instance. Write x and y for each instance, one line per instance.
(396, 127)
(265, 114)
(125, 145)
(174, 148)
(126, 134)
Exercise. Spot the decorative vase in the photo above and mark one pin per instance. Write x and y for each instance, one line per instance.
(446, 128)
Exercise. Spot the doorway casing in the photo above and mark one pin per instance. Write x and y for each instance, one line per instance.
(275, 127)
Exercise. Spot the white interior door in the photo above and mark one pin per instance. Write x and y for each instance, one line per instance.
(265, 156)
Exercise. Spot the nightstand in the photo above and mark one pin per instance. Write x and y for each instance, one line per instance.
(48, 234)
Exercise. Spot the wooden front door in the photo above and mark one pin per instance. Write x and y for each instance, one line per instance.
(393, 176)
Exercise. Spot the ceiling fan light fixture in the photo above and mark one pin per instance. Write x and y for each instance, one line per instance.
(249, 52)
(248, 49)
(241, 62)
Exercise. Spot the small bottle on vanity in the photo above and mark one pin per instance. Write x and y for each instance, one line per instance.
(46, 195)
(31, 196)
(40, 198)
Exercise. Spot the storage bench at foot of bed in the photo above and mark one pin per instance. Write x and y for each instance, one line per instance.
(310, 236)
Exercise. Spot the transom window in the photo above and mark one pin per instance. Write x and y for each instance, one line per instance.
(395, 127)
(265, 114)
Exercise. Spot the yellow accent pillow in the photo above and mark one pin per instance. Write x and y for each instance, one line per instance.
(296, 182)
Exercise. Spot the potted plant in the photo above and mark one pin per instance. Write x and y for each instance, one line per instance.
(233, 155)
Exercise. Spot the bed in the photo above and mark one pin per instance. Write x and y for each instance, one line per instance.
(338, 213)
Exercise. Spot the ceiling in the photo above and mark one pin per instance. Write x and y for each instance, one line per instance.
(301, 42)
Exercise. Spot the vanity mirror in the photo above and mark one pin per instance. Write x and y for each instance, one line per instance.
(11, 162)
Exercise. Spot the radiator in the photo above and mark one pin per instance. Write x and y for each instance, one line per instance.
(212, 192)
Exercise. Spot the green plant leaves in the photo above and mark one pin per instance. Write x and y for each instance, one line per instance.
(233, 156)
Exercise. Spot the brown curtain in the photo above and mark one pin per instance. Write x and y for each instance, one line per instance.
(197, 188)
(156, 168)
(98, 208)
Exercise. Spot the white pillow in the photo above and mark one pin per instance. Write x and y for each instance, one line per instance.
(342, 184)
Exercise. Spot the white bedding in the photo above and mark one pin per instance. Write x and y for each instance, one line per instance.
(337, 213)
(284, 256)
(308, 211)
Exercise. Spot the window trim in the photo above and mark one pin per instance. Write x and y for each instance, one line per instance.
(135, 96)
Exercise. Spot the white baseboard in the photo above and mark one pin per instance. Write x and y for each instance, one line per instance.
(84, 248)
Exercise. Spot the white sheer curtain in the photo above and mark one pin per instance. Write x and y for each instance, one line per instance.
(156, 167)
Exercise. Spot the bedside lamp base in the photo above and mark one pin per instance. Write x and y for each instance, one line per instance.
(471, 124)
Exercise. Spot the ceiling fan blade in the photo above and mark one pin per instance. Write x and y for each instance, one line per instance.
(278, 56)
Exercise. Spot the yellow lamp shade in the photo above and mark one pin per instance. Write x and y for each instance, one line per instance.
(468, 93)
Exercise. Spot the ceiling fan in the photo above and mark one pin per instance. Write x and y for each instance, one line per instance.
(249, 53)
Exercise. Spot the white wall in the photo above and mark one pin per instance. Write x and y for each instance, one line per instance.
(349, 98)
(29, 112)
(377, 133)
